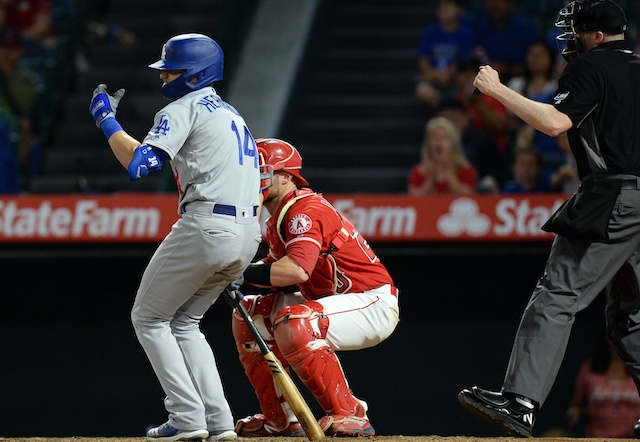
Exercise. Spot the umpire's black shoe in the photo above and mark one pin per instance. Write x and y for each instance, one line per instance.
(636, 429)
(514, 415)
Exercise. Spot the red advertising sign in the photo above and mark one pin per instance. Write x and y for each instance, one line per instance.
(449, 218)
(126, 217)
(140, 217)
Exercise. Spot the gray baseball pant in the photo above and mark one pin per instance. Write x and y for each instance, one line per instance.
(202, 254)
(575, 274)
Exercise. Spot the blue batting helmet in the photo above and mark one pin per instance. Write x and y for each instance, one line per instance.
(200, 55)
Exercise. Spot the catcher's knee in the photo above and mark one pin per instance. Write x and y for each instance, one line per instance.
(300, 332)
(295, 326)
(259, 308)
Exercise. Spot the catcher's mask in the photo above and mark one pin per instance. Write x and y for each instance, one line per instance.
(587, 16)
(200, 56)
(282, 156)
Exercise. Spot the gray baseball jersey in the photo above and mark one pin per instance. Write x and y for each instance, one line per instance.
(213, 155)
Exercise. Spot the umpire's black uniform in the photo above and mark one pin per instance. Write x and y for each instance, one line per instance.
(600, 92)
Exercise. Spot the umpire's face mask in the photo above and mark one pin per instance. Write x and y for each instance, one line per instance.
(568, 42)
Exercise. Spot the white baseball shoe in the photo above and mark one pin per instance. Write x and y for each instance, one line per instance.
(167, 432)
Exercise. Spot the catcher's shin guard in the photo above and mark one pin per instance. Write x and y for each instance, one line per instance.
(315, 363)
(272, 403)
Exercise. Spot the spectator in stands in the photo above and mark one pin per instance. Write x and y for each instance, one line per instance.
(32, 18)
(443, 169)
(504, 36)
(605, 400)
(539, 84)
(527, 173)
(18, 92)
(479, 147)
(442, 45)
(485, 113)
(529, 177)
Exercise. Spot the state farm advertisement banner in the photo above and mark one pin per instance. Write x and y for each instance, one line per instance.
(126, 217)
(139, 217)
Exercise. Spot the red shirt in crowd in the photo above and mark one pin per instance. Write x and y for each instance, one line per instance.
(466, 175)
(612, 406)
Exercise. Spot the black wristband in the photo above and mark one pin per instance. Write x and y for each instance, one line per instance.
(259, 274)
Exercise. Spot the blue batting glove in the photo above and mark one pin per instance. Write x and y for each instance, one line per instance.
(238, 282)
(103, 105)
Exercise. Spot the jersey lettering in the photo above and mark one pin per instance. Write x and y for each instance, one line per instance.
(213, 102)
(343, 282)
(163, 125)
(364, 246)
(246, 146)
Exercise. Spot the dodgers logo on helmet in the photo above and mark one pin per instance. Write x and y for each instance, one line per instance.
(201, 58)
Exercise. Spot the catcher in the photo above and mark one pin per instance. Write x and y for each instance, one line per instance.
(346, 301)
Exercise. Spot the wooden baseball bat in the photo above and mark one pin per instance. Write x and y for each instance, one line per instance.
(283, 380)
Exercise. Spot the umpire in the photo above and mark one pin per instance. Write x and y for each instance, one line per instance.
(598, 104)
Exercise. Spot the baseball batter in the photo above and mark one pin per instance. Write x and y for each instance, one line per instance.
(214, 160)
(346, 301)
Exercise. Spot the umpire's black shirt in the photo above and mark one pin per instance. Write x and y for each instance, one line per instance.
(600, 92)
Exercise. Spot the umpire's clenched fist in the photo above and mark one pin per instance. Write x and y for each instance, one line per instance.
(487, 79)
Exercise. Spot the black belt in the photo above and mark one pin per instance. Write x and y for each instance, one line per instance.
(224, 209)
(629, 184)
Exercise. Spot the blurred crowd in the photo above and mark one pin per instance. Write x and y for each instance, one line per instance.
(38, 60)
(27, 35)
(472, 143)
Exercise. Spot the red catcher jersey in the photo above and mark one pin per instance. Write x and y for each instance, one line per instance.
(325, 244)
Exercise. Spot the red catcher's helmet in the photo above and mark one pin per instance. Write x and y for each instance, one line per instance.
(282, 156)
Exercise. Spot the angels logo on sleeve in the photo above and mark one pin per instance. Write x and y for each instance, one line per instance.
(299, 223)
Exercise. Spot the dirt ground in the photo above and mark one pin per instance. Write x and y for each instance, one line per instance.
(298, 439)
